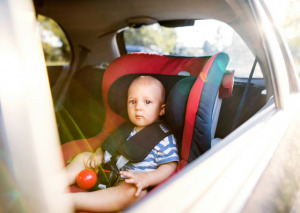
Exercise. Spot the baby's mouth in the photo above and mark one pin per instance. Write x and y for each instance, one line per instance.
(139, 116)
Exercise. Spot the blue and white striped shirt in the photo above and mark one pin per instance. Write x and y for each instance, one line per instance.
(164, 152)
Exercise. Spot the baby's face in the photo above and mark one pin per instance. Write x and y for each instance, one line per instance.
(144, 104)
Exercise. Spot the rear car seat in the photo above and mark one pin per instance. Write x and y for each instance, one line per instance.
(79, 112)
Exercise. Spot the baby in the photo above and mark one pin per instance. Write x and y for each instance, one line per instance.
(145, 105)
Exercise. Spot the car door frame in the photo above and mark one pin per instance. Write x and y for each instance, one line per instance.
(31, 165)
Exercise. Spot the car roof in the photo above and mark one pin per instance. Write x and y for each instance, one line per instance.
(98, 18)
(106, 16)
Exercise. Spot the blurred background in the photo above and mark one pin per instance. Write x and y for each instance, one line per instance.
(287, 17)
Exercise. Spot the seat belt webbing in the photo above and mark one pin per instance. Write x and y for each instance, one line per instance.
(243, 100)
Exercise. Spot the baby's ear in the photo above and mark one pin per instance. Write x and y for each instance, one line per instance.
(162, 110)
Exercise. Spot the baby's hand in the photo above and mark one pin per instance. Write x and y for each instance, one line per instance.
(138, 179)
(94, 160)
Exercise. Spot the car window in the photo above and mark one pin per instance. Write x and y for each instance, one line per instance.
(57, 50)
(206, 37)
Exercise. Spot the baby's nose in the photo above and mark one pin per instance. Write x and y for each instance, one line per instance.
(138, 106)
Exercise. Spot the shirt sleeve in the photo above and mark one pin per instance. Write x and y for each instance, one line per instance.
(166, 150)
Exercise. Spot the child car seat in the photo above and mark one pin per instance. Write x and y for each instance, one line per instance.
(190, 99)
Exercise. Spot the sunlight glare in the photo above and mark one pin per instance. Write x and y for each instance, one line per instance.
(191, 37)
(278, 9)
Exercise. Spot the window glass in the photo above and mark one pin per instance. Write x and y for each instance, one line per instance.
(277, 59)
(206, 37)
(56, 46)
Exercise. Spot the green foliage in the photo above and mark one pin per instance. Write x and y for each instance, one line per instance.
(153, 37)
(55, 44)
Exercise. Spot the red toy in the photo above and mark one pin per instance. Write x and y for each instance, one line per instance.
(86, 179)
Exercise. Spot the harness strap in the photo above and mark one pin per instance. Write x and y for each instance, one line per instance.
(138, 146)
(114, 141)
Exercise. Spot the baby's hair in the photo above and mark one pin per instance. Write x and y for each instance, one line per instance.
(149, 80)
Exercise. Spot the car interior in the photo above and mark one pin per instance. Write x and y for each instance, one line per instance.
(232, 105)
(100, 35)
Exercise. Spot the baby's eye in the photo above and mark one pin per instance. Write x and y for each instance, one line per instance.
(147, 102)
(132, 102)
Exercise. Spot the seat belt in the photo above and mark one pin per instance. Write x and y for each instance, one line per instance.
(82, 56)
(243, 100)
(136, 148)
(64, 88)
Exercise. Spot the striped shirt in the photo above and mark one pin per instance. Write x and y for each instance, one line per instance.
(164, 152)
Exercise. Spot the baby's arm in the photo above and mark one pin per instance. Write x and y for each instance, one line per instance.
(145, 180)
